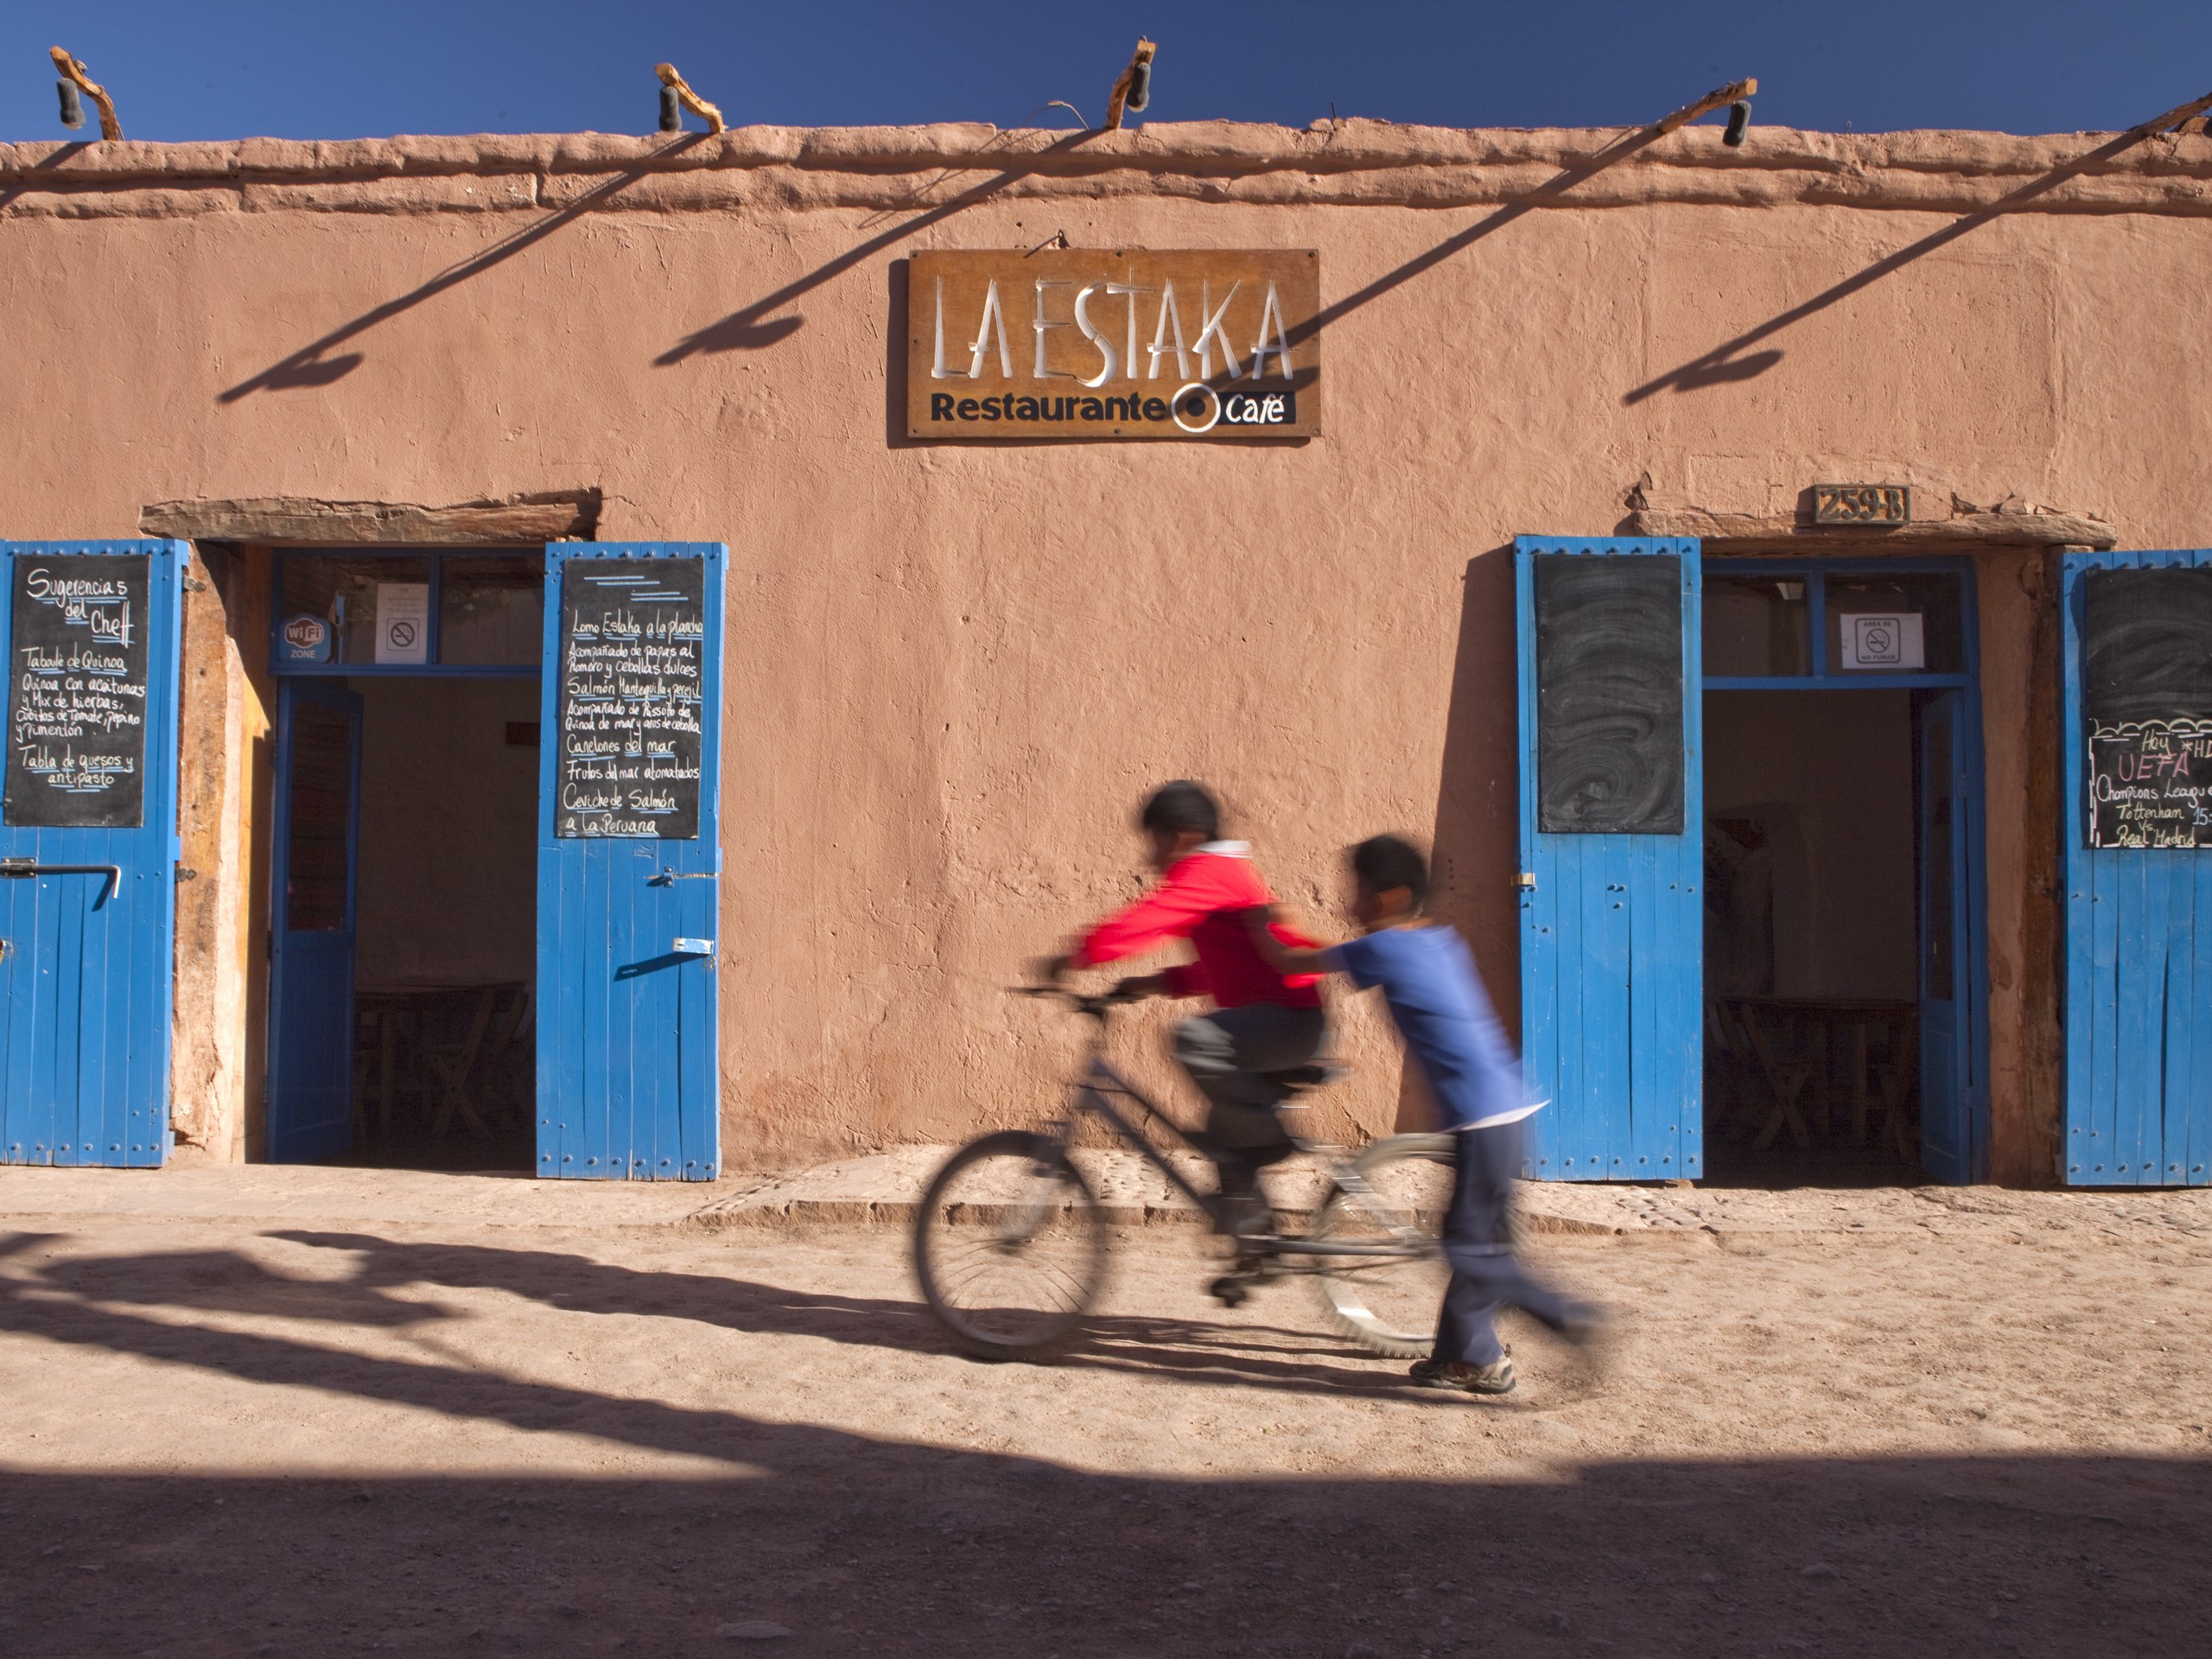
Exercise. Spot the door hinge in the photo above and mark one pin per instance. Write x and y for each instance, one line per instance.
(194, 585)
(1528, 881)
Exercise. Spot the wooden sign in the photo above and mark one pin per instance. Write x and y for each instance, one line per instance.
(1114, 343)
(632, 661)
(77, 693)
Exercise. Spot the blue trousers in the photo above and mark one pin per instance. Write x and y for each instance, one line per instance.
(1479, 1246)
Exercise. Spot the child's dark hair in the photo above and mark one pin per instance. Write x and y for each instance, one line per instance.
(1382, 862)
(1181, 805)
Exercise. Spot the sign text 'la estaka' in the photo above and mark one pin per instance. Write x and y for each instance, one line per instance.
(1114, 343)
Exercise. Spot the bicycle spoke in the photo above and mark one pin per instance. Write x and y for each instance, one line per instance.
(1010, 1247)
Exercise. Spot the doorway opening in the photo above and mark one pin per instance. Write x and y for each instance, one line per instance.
(1844, 1021)
(405, 910)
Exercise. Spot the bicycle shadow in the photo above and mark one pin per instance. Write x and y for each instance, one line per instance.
(1226, 1352)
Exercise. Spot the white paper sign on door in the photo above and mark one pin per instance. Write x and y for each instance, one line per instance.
(1890, 641)
(402, 622)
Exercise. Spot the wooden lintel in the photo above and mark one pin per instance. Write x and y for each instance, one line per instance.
(517, 520)
(1745, 532)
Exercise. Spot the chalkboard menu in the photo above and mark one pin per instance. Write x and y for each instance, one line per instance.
(2146, 696)
(633, 685)
(1609, 694)
(77, 692)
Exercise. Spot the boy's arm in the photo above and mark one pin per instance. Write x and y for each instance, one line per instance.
(1285, 959)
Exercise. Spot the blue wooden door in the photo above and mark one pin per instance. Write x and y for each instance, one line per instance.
(312, 922)
(628, 855)
(88, 849)
(1954, 1084)
(2138, 713)
(1612, 857)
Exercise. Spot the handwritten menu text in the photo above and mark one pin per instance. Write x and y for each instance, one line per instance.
(77, 692)
(632, 681)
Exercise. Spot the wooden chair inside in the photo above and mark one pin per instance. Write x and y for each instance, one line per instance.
(1787, 1079)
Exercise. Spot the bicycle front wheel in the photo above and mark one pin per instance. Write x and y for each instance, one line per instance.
(1010, 1246)
(1388, 1301)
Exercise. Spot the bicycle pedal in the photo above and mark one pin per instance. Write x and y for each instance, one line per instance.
(1230, 1290)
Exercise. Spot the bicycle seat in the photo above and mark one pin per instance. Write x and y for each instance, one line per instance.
(1298, 1078)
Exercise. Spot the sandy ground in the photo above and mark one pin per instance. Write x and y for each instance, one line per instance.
(254, 1439)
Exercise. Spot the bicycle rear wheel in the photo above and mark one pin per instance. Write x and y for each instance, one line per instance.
(1390, 1303)
(1010, 1246)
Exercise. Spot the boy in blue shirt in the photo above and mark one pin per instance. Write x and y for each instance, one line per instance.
(1428, 977)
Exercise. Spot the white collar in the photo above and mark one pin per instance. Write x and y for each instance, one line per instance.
(1225, 849)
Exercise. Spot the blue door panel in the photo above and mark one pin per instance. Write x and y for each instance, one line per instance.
(1611, 943)
(2138, 961)
(312, 921)
(628, 1079)
(1954, 993)
(87, 970)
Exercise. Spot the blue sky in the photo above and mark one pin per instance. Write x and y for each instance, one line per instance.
(330, 69)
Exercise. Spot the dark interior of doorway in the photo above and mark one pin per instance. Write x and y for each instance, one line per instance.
(1812, 938)
(445, 950)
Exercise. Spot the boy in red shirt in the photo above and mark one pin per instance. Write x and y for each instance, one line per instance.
(1262, 1021)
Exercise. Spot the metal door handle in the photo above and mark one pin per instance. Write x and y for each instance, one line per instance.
(23, 867)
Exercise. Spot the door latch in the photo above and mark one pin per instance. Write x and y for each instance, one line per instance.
(695, 947)
(21, 868)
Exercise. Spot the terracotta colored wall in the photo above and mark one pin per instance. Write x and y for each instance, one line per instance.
(953, 668)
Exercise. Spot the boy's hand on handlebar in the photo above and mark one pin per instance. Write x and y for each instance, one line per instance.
(1049, 970)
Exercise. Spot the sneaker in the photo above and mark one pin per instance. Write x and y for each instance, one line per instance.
(1496, 1377)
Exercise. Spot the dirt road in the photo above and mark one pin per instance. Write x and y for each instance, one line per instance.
(232, 1439)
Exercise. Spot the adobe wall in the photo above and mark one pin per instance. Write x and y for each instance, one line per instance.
(953, 668)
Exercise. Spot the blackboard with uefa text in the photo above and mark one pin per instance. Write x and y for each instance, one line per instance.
(77, 692)
(632, 693)
(2147, 703)
(2150, 785)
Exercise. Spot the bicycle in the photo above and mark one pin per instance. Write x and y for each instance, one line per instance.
(1010, 1243)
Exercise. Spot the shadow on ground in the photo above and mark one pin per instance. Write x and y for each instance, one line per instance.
(863, 1546)
(865, 1543)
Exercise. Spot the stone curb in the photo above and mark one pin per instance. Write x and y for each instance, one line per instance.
(882, 1190)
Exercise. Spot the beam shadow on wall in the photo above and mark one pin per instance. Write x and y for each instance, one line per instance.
(738, 331)
(313, 365)
(751, 327)
(1723, 363)
(62, 153)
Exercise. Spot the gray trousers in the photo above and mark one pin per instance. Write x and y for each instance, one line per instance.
(1226, 1053)
(1478, 1243)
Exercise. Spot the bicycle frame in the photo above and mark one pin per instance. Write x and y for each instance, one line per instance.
(1100, 1079)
